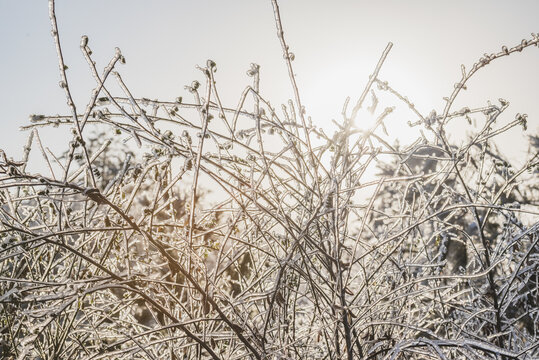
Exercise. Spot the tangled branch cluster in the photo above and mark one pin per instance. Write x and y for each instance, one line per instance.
(111, 255)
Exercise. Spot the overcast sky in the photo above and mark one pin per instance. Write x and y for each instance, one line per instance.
(336, 44)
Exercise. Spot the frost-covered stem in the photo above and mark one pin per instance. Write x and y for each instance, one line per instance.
(372, 78)
(288, 57)
(65, 85)
(485, 60)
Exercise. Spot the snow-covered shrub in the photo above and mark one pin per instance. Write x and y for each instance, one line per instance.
(118, 251)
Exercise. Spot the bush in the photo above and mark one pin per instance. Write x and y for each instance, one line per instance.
(295, 253)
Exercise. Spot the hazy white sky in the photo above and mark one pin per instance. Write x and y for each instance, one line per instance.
(336, 43)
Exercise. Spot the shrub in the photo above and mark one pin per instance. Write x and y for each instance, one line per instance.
(123, 252)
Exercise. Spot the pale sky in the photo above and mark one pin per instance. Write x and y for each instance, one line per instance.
(336, 45)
